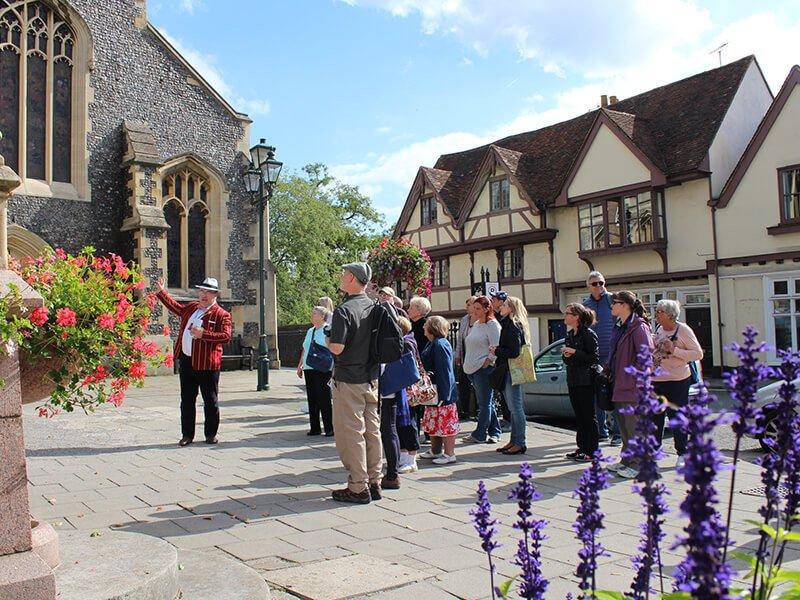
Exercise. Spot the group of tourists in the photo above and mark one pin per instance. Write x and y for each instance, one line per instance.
(378, 384)
(604, 335)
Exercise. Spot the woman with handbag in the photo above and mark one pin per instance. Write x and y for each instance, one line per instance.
(631, 332)
(478, 365)
(514, 334)
(316, 365)
(440, 422)
(676, 348)
(407, 431)
(581, 355)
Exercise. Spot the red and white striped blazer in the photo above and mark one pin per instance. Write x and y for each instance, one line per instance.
(207, 351)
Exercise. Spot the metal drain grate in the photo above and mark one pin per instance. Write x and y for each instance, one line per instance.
(759, 491)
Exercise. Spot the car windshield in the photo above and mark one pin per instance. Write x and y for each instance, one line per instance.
(551, 360)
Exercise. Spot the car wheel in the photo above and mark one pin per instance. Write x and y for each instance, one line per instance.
(770, 435)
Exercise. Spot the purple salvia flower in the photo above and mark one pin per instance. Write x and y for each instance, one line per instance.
(486, 526)
(702, 572)
(780, 461)
(644, 450)
(743, 383)
(529, 551)
(589, 523)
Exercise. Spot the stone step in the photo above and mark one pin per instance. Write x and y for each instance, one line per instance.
(116, 566)
(211, 577)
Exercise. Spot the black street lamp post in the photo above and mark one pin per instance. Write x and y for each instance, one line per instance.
(260, 179)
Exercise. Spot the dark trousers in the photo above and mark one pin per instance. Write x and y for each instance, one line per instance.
(208, 384)
(389, 438)
(464, 395)
(409, 436)
(677, 393)
(318, 393)
(582, 399)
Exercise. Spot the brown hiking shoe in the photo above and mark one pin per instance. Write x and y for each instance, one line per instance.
(375, 491)
(347, 495)
(390, 484)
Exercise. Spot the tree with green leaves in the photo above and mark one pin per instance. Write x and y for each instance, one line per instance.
(317, 224)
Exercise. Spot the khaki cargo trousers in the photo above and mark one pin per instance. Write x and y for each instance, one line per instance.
(357, 429)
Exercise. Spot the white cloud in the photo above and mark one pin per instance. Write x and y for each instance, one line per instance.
(383, 129)
(207, 67)
(466, 62)
(190, 6)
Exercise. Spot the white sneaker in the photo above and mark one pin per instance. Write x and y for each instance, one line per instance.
(627, 472)
(445, 459)
(407, 464)
(614, 467)
(428, 454)
(681, 463)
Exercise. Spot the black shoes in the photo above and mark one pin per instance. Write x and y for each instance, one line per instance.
(212, 440)
(519, 450)
(375, 491)
(346, 495)
(185, 441)
(312, 433)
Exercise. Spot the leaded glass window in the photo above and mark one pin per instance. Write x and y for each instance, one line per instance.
(36, 109)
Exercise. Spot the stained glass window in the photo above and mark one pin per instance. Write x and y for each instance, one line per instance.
(172, 213)
(197, 244)
(38, 42)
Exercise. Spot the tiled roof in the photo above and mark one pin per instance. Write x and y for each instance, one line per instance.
(674, 125)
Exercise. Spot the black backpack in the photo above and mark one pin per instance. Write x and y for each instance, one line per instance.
(386, 342)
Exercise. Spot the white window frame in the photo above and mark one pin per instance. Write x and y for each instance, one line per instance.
(769, 317)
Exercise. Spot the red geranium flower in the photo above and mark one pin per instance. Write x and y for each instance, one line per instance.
(138, 370)
(65, 317)
(39, 316)
(106, 321)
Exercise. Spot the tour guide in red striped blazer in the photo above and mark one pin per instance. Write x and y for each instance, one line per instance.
(205, 327)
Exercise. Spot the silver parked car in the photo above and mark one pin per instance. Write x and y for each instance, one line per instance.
(767, 399)
(548, 395)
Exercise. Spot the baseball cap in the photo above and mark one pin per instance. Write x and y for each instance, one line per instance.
(360, 270)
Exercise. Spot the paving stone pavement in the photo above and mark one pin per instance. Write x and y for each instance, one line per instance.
(262, 495)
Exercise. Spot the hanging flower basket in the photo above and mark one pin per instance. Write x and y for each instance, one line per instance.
(86, 346)
(398, 260)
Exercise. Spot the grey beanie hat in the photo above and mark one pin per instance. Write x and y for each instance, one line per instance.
(360, 270)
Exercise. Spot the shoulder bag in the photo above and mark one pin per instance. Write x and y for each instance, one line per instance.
(423, 392)
(319, 357)
(399, 374)
(521, 367)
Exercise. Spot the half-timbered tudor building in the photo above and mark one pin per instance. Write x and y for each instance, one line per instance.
(650, 190)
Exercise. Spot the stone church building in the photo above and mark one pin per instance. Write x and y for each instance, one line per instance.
(122, 145)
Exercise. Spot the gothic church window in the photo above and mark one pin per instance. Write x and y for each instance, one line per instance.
(37, 50)
(183, 194)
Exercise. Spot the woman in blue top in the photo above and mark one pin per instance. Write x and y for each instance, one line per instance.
(441, 421)
(318, 391)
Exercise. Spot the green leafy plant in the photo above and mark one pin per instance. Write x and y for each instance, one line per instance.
(87, 340)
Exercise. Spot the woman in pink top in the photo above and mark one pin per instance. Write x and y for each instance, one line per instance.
(675, 347)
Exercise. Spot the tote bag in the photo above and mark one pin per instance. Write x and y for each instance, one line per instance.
(521, 368)
(423, 392)
(399, 374)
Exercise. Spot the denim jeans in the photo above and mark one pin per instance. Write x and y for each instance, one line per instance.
(488, 425)
(513, 394)
(607, 423)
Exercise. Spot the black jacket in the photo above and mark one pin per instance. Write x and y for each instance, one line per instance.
(587, 354)
(509, 346)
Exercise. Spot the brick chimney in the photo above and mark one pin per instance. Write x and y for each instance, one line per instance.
(612, 100)
(603, 101)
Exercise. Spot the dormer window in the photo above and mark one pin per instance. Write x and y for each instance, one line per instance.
(499, 194)
(428, 206)
(790, 195)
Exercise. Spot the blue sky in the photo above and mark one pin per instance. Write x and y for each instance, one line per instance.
(376, 88)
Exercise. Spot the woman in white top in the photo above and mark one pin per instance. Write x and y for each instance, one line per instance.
(318, 391)
(478, 365)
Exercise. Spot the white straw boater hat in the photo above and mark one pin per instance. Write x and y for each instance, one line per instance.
(210, 284)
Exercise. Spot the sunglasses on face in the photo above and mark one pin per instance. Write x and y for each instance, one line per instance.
(597, 283)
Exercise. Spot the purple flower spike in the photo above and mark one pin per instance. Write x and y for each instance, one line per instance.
(743, 382)
(703, 572)
(589, 523)
(644, 450)
(486, 526)
(529, 553)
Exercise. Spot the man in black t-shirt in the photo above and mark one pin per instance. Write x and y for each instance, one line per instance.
(355, 389)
